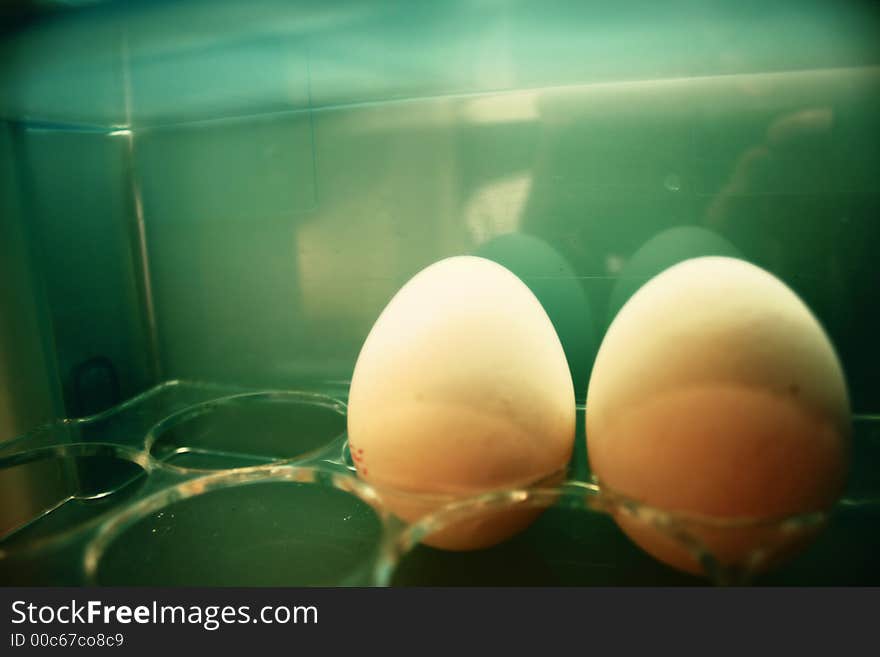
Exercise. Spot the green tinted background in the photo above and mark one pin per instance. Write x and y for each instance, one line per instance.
(232, 191)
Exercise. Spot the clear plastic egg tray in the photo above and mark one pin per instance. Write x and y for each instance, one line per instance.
(202, 484)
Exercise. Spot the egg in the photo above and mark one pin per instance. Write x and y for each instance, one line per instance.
(461, 387)
(717, 395)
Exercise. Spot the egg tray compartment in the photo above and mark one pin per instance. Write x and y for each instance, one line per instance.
(203, 484)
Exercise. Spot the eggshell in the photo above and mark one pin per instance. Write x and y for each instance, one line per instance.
(716, 393)
(462, 386)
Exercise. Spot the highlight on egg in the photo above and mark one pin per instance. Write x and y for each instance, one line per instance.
(461, 387)
(717, 395)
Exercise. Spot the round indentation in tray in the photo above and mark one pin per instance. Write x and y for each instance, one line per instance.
(575, 541)
(275, 526)
(247, 430)
(70, 488)
(571, 543)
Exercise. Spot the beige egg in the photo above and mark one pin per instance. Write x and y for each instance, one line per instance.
(461, 387)
(717, 394)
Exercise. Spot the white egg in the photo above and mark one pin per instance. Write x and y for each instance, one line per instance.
(461, 387)
(717, 394)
